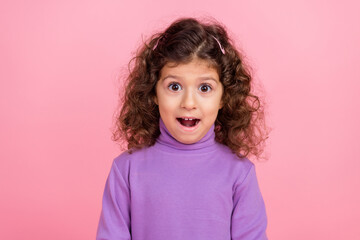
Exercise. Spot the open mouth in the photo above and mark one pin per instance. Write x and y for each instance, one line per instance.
(188, 122)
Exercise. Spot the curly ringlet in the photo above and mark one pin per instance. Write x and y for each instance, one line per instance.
(240, 123)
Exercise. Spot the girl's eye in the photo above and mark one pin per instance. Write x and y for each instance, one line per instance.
(174, 87)
(205, 88)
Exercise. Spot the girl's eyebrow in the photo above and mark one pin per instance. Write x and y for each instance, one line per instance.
(200, 78)
(171, 76)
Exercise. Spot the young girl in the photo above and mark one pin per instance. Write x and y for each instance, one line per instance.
(190, 121)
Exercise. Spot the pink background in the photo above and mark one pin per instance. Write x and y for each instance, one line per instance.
(59, 61)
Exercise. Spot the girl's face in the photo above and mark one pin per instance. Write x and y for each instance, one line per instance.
(192, 91)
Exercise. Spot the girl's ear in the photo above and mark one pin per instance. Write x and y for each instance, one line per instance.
(155, 100)
(221, 104)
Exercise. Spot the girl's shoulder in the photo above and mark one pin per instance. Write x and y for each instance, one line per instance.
(122, 163)
(124, 159)
(233, 158)
(230, 160)
(126, 155)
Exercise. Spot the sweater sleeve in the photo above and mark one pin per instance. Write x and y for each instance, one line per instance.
(248, 220)
(114, 220)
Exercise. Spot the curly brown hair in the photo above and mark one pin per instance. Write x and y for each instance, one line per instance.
(240, 122)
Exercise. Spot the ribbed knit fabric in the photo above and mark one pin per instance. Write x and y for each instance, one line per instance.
(176, 191)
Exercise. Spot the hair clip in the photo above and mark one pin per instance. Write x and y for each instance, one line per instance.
(221, 48)
(157, 42)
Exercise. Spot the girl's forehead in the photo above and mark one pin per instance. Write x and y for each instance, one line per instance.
(195, 66)
(193, 61)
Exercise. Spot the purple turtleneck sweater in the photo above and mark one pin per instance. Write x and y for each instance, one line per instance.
(176, 191)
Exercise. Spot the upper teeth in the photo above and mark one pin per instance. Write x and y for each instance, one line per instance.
(189, 118)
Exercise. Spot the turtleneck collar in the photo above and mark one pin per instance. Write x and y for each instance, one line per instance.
(168, 143)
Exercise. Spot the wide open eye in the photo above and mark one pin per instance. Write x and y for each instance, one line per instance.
(205, 88)
(174, 87)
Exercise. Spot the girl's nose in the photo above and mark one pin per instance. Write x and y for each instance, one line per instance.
(188, 100)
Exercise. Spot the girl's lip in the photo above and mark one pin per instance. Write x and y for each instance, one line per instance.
(189, 117)
(189, 129)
